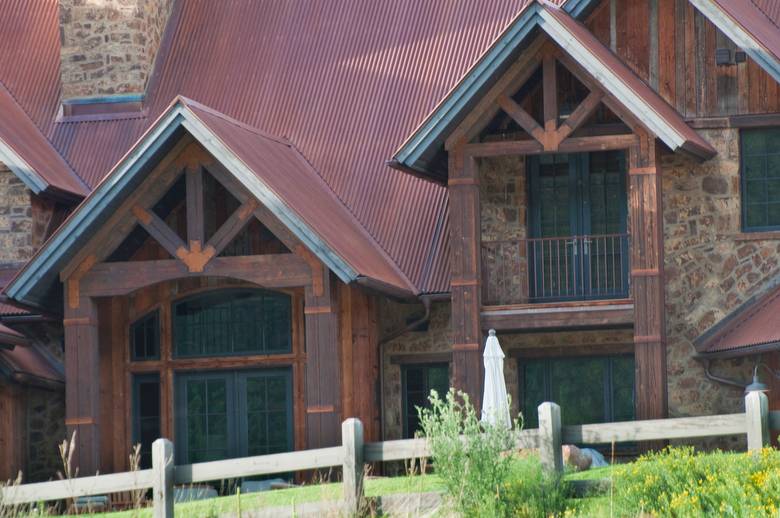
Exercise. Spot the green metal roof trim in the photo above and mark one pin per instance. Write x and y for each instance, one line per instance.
(31, 285)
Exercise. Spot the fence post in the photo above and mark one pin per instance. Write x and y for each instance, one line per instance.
(757, 415)
(352, 440)
(550, 447)
(163, 468)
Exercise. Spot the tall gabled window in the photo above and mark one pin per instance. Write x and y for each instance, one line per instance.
(145, 338)
(760, 177)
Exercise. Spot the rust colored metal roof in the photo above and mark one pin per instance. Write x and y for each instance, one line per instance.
(345, 81)
(29, 365)
(753, 328)
(770, 8)
(27, 152)
(759, 17)
(7, 272)
(282, 167)
(11, 338)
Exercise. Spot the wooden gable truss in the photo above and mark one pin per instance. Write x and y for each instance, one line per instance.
(90, 275)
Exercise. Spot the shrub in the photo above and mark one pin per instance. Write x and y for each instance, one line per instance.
(680, 482)
(467, 455)
(532, 493)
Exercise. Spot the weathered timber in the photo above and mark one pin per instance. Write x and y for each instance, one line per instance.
(271, 271)
(656, 429)
(596, 316)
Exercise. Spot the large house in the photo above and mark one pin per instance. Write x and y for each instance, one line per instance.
(236, 223)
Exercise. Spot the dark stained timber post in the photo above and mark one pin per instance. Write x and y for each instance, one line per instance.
(82, 375)
(647, 275)
(465, 265)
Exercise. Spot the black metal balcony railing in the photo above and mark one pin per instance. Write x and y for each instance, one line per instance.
(555, 269)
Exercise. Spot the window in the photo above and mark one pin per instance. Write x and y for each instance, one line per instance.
(145, 338)
(417, 382)
(588, 389)
(146, 414)
(233, 322)
(760, 177)
(233, 414)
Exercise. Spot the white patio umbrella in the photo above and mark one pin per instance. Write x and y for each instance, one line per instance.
(495, 408)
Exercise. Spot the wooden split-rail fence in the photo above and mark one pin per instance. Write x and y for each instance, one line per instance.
(354, 453)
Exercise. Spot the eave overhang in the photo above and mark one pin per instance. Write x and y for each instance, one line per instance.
(663, 121)
(33, 282)
(744, 24)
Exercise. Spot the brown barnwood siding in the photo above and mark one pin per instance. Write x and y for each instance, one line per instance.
(12, 431)
(687, 75)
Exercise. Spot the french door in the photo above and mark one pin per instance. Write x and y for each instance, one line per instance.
(228, 414)
(578, 244)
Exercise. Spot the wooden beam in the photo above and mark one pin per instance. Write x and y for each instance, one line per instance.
(195, 218)
(550, 93)
(323, 390)
(113, 231)
(592, 317)
(580, 114)
(647, 257)
(270, 271)
(159, 230)
(522, 117)
(517, 75)
(532, 147)
(232, 226)
(82, 390)
(465, 267)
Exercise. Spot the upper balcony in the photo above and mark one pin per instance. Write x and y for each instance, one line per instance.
(555, 269)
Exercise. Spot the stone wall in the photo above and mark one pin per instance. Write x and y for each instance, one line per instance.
(45, 430)
(109, 46)
(711, 269)
(502, 186)
(16, 219)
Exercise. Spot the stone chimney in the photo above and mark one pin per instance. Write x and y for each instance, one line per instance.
(108, 47)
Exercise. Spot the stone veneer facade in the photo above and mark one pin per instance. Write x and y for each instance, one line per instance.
(45, 431)
(711, 269)
(16, 219)
(109, 46)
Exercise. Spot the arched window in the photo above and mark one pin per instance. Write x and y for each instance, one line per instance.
(233, 322)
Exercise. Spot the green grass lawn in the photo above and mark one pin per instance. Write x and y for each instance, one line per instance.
(292, 496)
(332, 492)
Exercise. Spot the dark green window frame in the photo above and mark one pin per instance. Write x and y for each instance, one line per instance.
(232, 323)
(760, 179)
(145, 337)
(616, 381)
(146, 414)
(418, 396)
(237, 417)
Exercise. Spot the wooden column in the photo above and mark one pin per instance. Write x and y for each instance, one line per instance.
(82, 376)
(647, 275)
(465, 284)
(323, 379)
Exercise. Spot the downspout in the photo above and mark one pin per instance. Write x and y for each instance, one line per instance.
(720, 379)
(426, 301)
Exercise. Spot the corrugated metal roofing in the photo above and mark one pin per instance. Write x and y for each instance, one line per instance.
(759, 17)
(345, 81)
(26, 363)
(281, 166)
(37, 161)
(751, 328)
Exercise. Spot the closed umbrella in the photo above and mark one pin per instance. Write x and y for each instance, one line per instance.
(495, 407)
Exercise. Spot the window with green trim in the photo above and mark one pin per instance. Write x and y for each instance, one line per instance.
(145, 338)
(146, 414)
(588, 389)
(417, 381)
(760, 178)
(233, 322)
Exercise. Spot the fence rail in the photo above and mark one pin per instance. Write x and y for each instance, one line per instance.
(755, 422)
